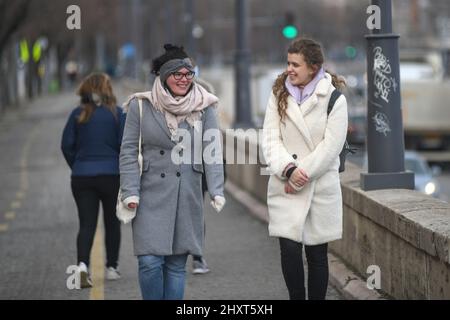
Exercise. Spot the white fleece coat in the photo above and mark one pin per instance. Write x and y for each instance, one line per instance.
(312, 141)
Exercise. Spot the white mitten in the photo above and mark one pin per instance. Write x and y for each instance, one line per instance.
(123, 212)
(218, 203)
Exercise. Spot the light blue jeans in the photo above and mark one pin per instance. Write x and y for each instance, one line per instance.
(162, 277)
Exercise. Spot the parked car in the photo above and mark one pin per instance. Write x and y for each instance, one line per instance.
(423, 174)
(357, 128)
(357, 109)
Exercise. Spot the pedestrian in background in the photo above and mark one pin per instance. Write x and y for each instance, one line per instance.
(91, 146)
(301, 145)
(169, 221)
(199, 265)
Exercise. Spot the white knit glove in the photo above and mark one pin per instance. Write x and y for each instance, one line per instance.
(218, 203)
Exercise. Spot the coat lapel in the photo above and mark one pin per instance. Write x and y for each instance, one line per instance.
(308, 105)
(294, 113)
(161, 120)
(321, 90)
(297, 113)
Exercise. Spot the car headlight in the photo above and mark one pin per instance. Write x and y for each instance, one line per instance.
(430, 188)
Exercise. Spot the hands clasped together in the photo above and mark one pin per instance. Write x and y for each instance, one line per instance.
(296, 181)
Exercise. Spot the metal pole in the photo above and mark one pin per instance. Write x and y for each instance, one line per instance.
(242, 65)
(385, 137)
(137, 37)
(190, 18)
(169, 22)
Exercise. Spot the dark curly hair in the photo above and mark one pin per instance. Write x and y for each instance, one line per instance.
(172, 52)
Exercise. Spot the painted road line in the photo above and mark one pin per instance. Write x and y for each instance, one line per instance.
(10, 215)
(20, 195)
(97, 266)
(16, 205)
(24, 181)
(24, 184)
(3, 227)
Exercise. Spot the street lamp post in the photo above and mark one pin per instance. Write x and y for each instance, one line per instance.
(169, 22)
(243, 61)
(190, 19)
(385, 137)
(137, 37)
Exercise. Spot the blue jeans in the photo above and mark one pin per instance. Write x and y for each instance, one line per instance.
(162, 277)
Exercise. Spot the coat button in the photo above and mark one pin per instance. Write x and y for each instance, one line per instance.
(162, 152)
(294, 156)
(178, 174)
(163, 175)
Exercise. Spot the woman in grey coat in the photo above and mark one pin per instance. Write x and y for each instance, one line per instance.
(177, 123)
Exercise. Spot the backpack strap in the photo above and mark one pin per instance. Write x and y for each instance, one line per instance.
(334, 96)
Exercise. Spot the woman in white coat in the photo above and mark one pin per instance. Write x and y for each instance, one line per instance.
(301, 145)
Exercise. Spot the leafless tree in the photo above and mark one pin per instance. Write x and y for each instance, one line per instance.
(12, 16)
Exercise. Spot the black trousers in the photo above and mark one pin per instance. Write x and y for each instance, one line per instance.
(88, 193)
(292, 267)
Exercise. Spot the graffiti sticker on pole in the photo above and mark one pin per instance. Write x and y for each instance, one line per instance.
(382, 80)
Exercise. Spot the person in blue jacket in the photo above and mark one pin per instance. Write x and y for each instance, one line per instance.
(91, 145)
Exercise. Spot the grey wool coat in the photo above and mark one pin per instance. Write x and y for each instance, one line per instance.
(169, 218)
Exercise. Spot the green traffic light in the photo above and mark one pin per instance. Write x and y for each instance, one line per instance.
(350, 52)
(290, 32)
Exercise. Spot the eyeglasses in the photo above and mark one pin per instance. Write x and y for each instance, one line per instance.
(180, 75)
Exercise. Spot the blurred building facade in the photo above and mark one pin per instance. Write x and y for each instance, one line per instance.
(122, 36)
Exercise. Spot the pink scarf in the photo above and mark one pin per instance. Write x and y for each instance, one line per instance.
(177, 109)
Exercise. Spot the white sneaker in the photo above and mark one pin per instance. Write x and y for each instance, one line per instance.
(85, 278)
(199, 267)
(112, 273)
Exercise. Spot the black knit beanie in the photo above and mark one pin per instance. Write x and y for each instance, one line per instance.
(172, 52)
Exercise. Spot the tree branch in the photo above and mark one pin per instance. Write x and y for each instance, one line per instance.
(16, 19)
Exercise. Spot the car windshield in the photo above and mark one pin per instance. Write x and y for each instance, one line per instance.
(416, 166)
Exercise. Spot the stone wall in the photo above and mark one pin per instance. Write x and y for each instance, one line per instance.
(403, 232)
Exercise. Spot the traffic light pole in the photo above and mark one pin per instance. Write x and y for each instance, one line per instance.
(385, 137)
(242, 65)
(190, 17)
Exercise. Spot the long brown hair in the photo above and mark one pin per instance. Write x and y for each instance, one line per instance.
(96, 84)
(313, 55)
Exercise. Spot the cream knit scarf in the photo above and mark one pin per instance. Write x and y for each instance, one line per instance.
(177, 109)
